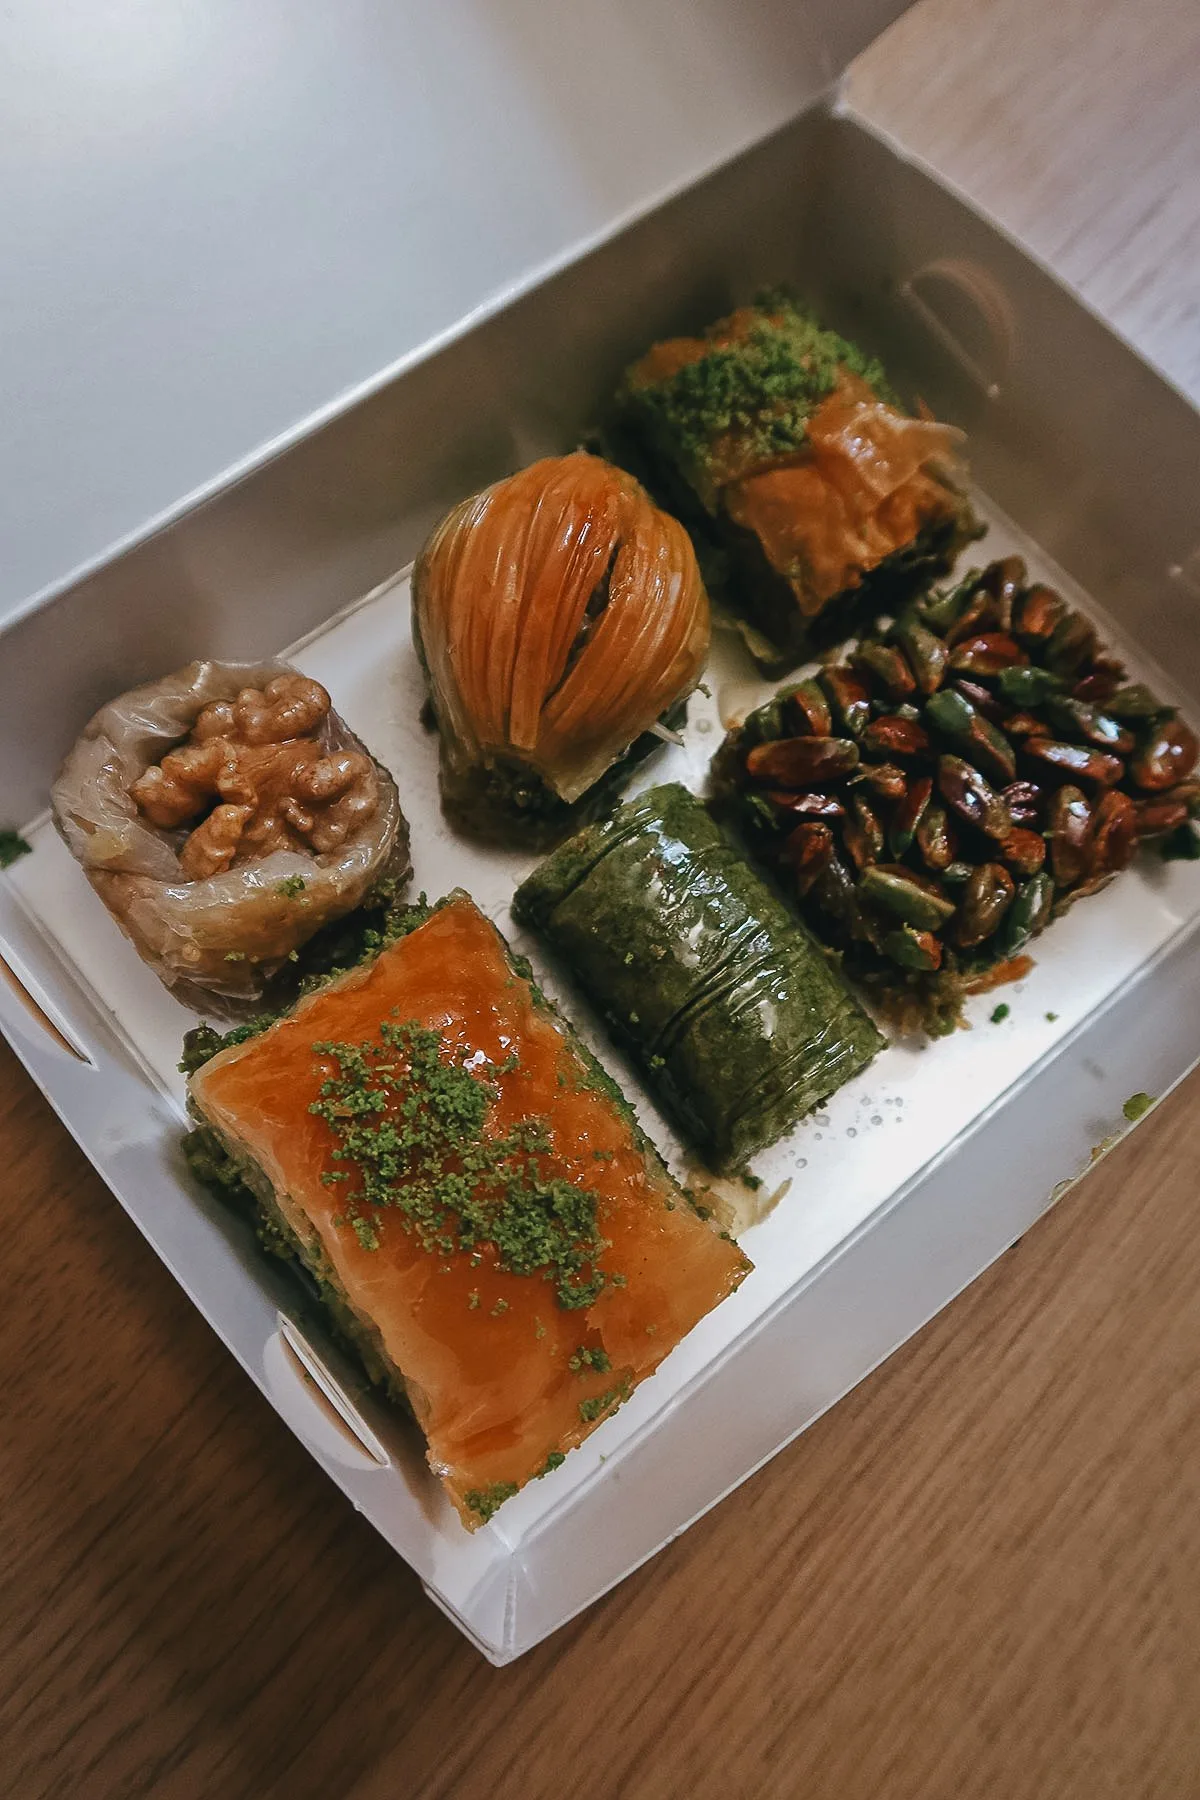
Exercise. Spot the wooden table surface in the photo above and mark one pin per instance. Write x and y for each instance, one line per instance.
(979, 1576)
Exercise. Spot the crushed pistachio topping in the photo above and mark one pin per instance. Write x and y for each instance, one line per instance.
(365, 1232)
(599, 1404)
(555, 1460)
(412, 1128)
(762, 388)
(291, 887)
(488, 1500)
(583, 1358)
(12, 846)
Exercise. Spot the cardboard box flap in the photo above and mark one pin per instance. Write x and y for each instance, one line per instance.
(224, 218)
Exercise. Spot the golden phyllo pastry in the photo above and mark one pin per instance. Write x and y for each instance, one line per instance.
(561, 618)
(803, 478)
(488, 1225)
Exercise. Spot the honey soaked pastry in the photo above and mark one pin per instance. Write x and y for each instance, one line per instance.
(489, 1228)
(562, 621)
(805, 482)
(225, 815)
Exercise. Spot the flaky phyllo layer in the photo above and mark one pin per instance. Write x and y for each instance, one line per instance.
(785, 449)
(489, 1223)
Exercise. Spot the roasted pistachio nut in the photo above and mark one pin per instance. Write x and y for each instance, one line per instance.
(927, 655)
(899, 893)
(887, 664)
(908, 813)
(796, 762)
(807, 709)
(997, 765)
(984, 902)
(849, 697)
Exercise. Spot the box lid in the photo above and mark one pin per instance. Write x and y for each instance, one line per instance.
(223, 217)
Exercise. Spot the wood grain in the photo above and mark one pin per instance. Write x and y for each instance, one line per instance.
(979, 1576)
(977, 1579)
(1074, 124)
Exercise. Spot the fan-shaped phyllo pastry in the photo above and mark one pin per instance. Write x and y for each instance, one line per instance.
(561, 619)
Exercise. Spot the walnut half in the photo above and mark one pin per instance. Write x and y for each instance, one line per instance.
(253, 778)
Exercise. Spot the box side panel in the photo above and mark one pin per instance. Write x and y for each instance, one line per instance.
(274, 556)
(873, 1294)
(1071, 433)
(821, 204)
(267, 560)
(131, 1131)
(214, 225)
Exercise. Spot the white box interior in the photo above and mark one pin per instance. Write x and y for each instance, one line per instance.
(913, 1128)
(838, 1167)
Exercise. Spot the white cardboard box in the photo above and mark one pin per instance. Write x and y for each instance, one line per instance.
(917, 1175)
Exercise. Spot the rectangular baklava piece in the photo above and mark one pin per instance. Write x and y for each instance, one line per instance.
(488, 1226)
(812, 494)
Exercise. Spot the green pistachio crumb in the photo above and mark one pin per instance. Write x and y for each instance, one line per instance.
(235, 956)
(555, 1460)
(1136, 1106)
(501, 1306)
(599, 1404)
(1051, 1018)
(486, 1501)
(763, 388)
(413, 1127)
(291, 887)
(473, 1299)
(585, 1359)
(12, 846)
(1182, 845)
(1000, 1013)
(366, 1234)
